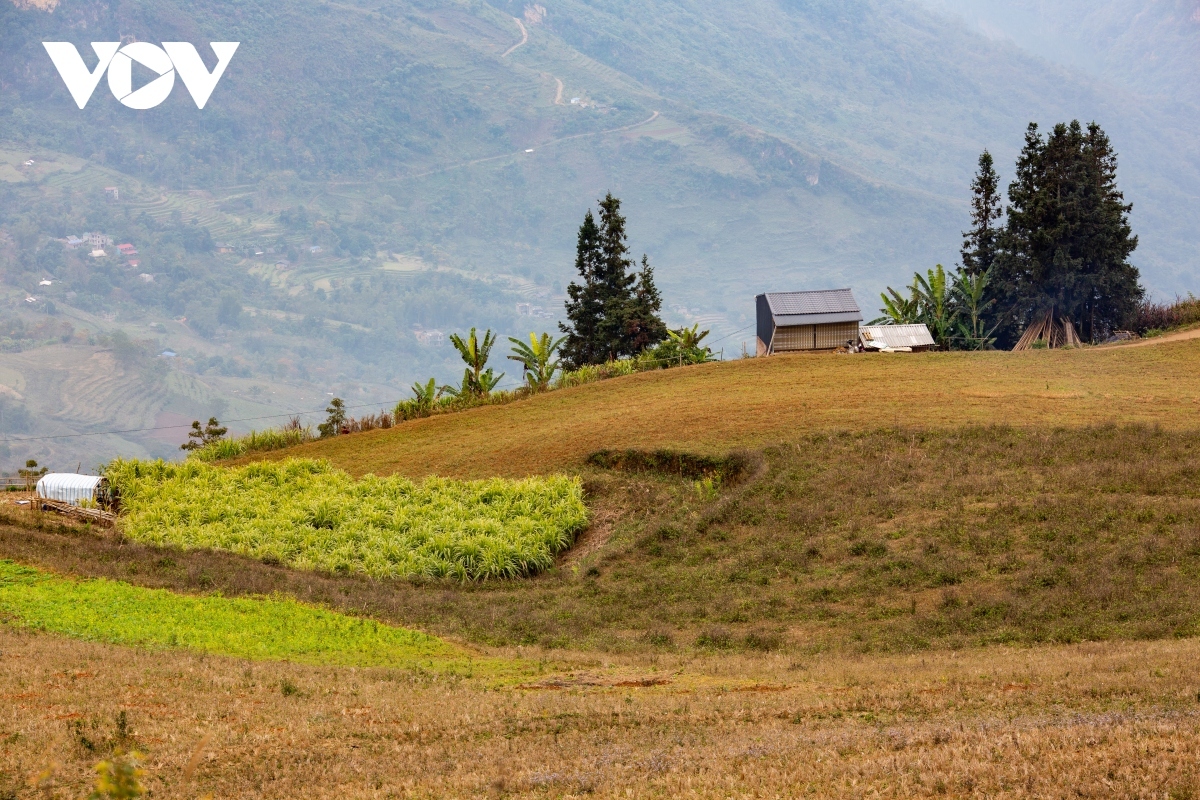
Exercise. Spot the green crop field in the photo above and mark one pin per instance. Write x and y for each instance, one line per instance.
(308, 515)
(254, 628)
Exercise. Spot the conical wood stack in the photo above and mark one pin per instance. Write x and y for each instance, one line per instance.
(1055, 331)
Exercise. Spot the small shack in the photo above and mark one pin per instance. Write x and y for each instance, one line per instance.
(798, 321)
(67, 487)
(896, 338)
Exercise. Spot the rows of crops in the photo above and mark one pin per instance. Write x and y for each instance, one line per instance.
(308, 515)
(257, 628)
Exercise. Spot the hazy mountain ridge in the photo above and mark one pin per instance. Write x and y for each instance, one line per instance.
(772, 145)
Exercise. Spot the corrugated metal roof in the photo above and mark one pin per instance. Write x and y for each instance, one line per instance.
(897, 335)
(828, 301)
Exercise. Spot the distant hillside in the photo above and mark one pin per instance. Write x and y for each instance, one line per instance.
(801, 144)
(1147, 47)
(423, 166)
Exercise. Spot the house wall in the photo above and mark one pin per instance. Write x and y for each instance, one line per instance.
(765, 323)
(814, 337)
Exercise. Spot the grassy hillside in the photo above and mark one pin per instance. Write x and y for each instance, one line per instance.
(717, 407)
(847, 521)
(885, 599)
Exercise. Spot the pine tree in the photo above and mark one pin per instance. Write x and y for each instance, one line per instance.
(1111, 289)
(981, 242)
(614, 312)
(1067, 243)
(643, 326)
(616, 279)
(585, 303)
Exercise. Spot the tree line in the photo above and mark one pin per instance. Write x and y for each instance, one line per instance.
(1053, 261)
(613, 328)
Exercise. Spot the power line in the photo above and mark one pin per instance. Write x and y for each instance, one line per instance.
(735, 333)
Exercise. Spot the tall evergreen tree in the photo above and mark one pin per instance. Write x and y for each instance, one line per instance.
(585, 301)
(1067, 242)
(981, 242)
(616, 277)
(613, 312)
(643, 327)
(1111, 290)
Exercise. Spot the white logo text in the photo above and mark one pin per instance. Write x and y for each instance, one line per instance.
(117, 61)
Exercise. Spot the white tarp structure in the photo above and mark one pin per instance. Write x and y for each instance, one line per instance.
(67, 487)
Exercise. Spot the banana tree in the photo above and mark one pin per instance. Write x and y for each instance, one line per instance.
(684, 346)
(936, 302)
(475, 354)
(899, 310)
(969, 292)
(537, 358)
(425, 395)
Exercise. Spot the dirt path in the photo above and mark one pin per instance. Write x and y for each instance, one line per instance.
(524, 38)
(558, 95)
(550, 143)
(1181, 336)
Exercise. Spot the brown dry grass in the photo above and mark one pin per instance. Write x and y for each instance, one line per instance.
(885, 540)
(715, 407)
(1110, 720)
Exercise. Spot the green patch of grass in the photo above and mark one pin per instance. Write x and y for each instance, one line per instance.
(273, 629)
(307, 514)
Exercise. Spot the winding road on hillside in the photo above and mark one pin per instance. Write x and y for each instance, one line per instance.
(476, 161)
(524, 38)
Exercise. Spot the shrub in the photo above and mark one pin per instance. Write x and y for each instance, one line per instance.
(254, 442)
(1150, 317)
(309, 515)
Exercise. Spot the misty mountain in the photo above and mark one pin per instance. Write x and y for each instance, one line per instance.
(414, 165)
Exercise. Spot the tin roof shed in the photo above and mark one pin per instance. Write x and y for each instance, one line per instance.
(894, 337)
(790, 311)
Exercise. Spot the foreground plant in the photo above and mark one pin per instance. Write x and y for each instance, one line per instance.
(119, 778)
(309, 515)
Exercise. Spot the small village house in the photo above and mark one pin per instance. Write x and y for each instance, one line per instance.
(127, 249)
(99, 240)
(112, 193)
(802, 321)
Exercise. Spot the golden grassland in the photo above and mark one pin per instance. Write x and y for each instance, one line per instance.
(713, 408)
(944, 575)
(1087, 720)
(886, 540)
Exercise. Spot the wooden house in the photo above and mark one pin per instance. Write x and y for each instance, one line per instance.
(798, 321)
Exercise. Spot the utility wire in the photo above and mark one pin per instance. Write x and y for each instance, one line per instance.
(735, 333)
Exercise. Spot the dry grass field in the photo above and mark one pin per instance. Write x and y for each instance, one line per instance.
(945, 576)
(713, 408)
(1090, 720)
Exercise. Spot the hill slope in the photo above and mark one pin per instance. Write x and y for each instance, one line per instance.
(714, 408)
